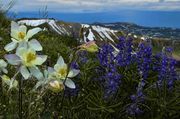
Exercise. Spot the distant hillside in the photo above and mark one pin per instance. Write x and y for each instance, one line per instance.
(83, 32)
(153, 32)
(103, 31)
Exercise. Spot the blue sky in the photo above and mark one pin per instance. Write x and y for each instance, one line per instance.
(84, 6)
(160, 13)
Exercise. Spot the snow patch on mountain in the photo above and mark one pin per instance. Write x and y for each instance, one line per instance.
(105, 32)
(90, 32)
(85, 25)
(59, 29)
(34, 23)
(91, 35)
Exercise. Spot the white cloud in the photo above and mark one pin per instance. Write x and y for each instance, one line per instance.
(95, 5)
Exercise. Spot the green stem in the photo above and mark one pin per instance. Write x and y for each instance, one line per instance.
(20, 98)
(62, 101)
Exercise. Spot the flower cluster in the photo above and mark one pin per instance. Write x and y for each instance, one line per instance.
(124, 56)
(26, 61)
(112, 82)
(62, 74)
(111, 78)
(165, 66)
(144, 56)
(106, 57)
(25, 57)
(133, 108)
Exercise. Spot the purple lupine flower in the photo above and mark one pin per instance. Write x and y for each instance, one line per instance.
(124, 55)
(134, 109)
(106, 56)
(74, 65)
(144, 56)
(112, 82)
(110, 79)
(83, 56)
(165, 66)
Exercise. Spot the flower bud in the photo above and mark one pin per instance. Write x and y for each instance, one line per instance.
(5, 79)
(90, 46)
(10, 82)
(56, 86)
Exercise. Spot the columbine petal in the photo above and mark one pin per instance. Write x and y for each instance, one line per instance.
(24, 72)
(70, 84)
(14, 34)
(50, 70)
(40, 59)
(20, 51)
(36, 72)
(14, 40)
(57, 67)
(73, 73)
(14, 30)
(60, 61)
(23, 29)
(14, 26)
(22, 45)
(13, 59)
(32, 32)
(34, 44)
(11, 46)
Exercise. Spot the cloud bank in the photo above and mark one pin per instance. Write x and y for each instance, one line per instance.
(79, 6)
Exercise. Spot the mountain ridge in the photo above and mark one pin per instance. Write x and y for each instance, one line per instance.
(103, 31)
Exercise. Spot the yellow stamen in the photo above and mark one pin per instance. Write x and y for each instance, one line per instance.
(30, 57)
(63, 72)
(21, 35)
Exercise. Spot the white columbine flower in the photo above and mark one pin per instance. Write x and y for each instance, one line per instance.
(28, 61)
(46, 82)
(3, 66)
(60, 73)
(20, 36)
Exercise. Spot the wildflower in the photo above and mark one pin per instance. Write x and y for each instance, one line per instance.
(28, 61)
(61, 72)
(83, 57)
(133, 108)
(56, 86)
(90, 46)
(112, 82)
(20, 36)
(3, 66)
(165, 66)
(144, 56)
(106, 56)
(111, 79)
(74, 65)
(10, 82)
(124, 55)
